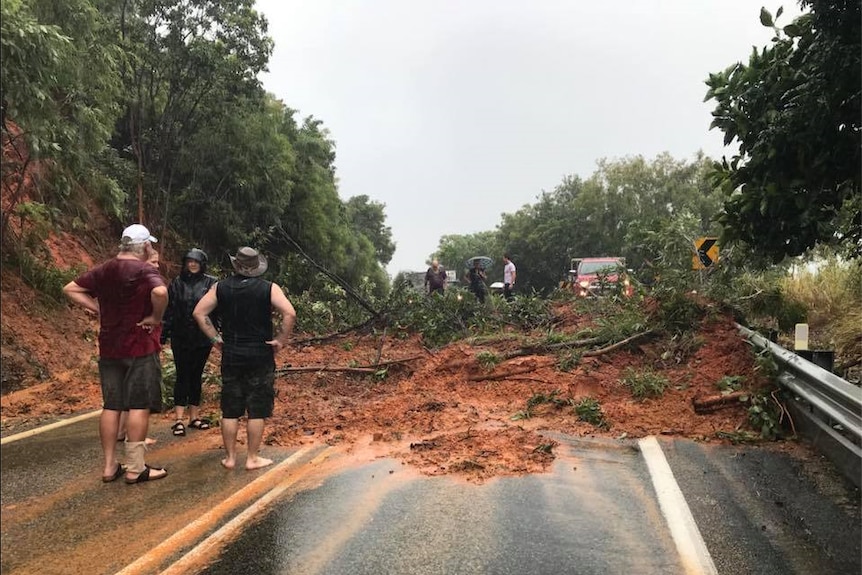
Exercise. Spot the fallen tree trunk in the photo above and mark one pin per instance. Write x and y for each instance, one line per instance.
(313, 368)
(616, 346)
(353, 369)
(544, 348)
(715, 402)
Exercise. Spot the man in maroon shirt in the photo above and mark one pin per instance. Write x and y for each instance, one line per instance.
(130, 298)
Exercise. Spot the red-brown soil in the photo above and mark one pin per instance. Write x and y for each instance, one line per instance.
(438, 410)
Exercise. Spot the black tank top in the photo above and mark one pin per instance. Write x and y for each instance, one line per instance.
(245, 309)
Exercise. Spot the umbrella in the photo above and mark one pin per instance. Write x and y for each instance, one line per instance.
(484, 262)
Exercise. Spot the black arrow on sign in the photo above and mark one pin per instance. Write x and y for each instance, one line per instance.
(702, 252)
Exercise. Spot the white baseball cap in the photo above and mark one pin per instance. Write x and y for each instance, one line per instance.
(137, 234)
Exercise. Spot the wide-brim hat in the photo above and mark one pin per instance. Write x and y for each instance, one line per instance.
(248, 262)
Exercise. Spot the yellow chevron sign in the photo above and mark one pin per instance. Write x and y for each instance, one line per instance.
(706, 253)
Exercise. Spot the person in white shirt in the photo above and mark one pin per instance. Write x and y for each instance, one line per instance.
(509, 275)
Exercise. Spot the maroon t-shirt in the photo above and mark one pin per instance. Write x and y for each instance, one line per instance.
(123, 289)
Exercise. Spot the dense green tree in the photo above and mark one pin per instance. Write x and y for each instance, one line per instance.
(163, 97)
(795, 112)
(58, 73)
(368, 218)
(239, 186)
(612, 213)
(58, 76)
(188, 60)
(541, 237)
(454, 250)
(317, 219)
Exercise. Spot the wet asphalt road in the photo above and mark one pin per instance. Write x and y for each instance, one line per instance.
(595, 512)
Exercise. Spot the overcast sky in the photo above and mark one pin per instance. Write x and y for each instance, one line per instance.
(453, 112)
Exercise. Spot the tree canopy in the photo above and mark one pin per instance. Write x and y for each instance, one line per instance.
(154, 109)
(794, 110)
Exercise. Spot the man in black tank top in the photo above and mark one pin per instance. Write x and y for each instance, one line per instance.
(245, 303)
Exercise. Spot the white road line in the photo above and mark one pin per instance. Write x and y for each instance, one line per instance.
(49, 427)
(689, 543)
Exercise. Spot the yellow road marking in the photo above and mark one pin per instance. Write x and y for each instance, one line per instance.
(192, 532)
(192, 561)
(49, 427)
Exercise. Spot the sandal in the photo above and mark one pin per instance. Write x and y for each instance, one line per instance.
(109, 478)
(145, 475)
(179, 428)
(199, 424)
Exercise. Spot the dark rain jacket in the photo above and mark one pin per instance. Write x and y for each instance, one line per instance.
(184, 293)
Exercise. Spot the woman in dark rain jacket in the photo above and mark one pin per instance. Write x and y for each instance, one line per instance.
(190, 346)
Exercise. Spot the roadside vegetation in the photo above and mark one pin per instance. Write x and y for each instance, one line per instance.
(110, 113)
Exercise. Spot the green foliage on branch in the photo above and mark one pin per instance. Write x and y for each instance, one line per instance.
(796, 115)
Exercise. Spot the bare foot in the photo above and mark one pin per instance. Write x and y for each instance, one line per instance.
(228, 463)
(257, 463)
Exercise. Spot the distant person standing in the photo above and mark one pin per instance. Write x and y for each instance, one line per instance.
(435, 278)
(509, 274)
(191, 348)
(245, 303)
(476, 279)
(130, 298)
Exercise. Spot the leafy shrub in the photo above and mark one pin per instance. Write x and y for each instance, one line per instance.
(169, 378)
(488, 359)
(457, 314)
(567, 361)
(537, 400)
(730, 383)
(764, 416)
(48, 280)
(616, 319)
(590, 411)
(524, 311)
(677, 311)
(644, 384)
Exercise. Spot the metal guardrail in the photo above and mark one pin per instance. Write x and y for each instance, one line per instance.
(826, 407)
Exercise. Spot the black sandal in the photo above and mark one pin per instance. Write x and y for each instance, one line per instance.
(145, 475)
(179, 428)
(199, 424)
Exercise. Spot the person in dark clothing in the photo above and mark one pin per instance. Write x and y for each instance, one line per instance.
(435, 278)
(476, 279)
(190, 346)
(245, 303)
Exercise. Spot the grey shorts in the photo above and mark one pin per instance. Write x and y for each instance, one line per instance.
(247, 389)
(131, 383)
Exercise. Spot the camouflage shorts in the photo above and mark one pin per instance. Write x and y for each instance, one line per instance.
(247, 390)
